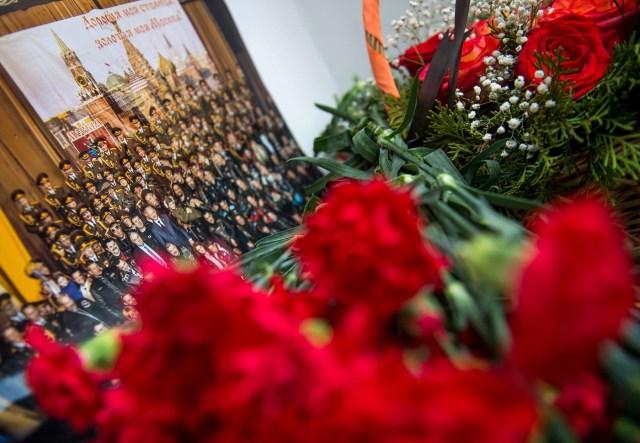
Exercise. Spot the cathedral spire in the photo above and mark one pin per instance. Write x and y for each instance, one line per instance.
(167, 41)
(62, 45)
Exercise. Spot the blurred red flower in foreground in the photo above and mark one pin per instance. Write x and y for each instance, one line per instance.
(583, 403)
(65, 390)
(211, 358)
(387, 403)
(364, 245)
(573, 294)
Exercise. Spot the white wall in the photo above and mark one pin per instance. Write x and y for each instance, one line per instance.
(307, 51)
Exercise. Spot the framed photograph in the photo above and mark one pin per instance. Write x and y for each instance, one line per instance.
(162, 152)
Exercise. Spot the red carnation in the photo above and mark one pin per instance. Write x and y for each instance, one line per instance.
(476, 406)
(63, 388)
(583, 403)
(573, 294)
(364, 246)
(212, 355)
(385, 402)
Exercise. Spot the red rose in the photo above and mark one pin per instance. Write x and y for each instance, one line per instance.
(63, 388)
(583, 49)
(479, 45)
(364, 245)
(614, 18)
(573, 294)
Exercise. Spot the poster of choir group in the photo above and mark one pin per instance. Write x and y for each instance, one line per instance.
(168, 159)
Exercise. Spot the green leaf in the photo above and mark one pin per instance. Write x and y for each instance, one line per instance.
(557, 429)
(319, 184)
(484, 155)
(279, 236)
(332, 143)
(439, 160)
(411, 107)
(421, 153)
(311, 205)
(385, 163)
(336, 167)
(264, 251)
(506, 201)
(396, 164)
(365, 146)
(483, 181)
(337, 112)
(626, 430)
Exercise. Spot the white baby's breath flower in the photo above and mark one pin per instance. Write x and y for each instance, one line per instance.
(511, 144)
(472, 114)
(504, 153)
(460, 106)
(549, 103)
(501, 130)
(513, 123)
(539, 73)
(542, 88)
(505, 106)
(475, 124)
(487, 137)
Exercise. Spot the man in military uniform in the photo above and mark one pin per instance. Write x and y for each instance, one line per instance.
(172, 117)
(108, 155)
(53, 195)
(140, 132)
(158, 126)
(88, 168)
(143, 158)
(71, 208)
(50, 231)
(27, 211)
(65, 252)
(107, 218)
(72, 178)
(89, 255)
(128, 170)
(125, 142)
(90, 225)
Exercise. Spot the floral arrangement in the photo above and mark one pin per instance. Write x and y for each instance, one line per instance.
(386, 344)
(414, 303)
(545, 95)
